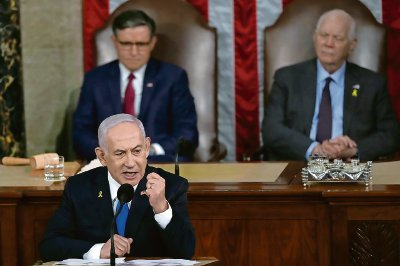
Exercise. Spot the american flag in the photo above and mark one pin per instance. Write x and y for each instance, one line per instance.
(240, 25)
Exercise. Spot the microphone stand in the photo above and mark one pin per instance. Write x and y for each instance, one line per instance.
(176, 163)
(178, 150)
(112, 250)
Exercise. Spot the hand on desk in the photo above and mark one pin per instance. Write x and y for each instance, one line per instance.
(122, 246)
(341, 147)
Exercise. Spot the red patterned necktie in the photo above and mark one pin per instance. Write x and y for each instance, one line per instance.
(324, 128)
(129, 100)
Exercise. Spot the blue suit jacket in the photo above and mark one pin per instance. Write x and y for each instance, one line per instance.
(368, 118)
(167, 108)
(85, 214)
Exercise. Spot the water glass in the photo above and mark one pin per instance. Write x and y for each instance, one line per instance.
(54, 168)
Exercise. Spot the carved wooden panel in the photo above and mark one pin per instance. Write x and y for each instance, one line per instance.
(374, 243)
(248, 232)
(33, 218)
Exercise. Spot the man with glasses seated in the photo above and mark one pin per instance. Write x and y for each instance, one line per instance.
(154, 91)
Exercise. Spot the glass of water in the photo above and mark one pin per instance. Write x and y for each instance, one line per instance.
(54, 168)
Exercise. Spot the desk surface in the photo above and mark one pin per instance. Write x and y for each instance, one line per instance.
(211, 179)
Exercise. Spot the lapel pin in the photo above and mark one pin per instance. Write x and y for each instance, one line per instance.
(150, 85)
(356, 87)
(100, 194)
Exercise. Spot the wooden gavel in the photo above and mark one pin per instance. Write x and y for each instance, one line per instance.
(36, 161)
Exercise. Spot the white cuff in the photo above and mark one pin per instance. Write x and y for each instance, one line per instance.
(310, 149)
(164, 218)
(94, 252)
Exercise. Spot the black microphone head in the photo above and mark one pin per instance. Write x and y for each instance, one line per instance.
(125, 193)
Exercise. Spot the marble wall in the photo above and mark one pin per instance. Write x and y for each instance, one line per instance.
(52, 56)
(12, 137)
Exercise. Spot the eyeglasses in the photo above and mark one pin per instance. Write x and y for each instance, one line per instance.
(129, 45)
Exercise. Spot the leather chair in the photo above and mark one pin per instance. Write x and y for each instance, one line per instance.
(290, 40)
(186, 40)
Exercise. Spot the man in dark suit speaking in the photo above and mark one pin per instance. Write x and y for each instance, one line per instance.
(154, 91)
(329, 106)
(157, 223)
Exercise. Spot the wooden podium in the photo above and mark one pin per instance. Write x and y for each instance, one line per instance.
(251, 219)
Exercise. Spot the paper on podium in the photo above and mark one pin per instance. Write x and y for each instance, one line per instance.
(165, 262)
(121, 262)
(88, 262)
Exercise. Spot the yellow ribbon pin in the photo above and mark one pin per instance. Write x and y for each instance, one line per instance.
(100, 194)
(356, 87)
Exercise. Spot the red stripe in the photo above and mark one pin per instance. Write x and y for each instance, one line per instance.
(286, 2)
(201, 6)
(95, 13)
(391, 18)
(246, 77)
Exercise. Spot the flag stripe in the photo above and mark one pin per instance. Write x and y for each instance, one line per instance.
(95, 13)
(221, 17)
(391, 18)
(246, 77)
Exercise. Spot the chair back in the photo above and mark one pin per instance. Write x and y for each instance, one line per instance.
(186, 40)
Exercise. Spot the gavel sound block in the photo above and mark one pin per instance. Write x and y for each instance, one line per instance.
(36, 162)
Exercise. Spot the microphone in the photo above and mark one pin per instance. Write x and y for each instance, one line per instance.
(124, 195)
(184, 148)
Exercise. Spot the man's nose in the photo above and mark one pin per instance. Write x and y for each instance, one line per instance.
(134, 49)
(330, 41)
(130, 160)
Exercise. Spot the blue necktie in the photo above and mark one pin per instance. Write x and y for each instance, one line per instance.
(121, 219)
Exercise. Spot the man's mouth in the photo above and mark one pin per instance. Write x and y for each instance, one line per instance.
(129, 174)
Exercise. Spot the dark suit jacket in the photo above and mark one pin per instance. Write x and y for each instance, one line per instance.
(167, 108)
(368, 117)
(85, 214)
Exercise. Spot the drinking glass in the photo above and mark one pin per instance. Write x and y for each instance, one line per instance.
(54, 168)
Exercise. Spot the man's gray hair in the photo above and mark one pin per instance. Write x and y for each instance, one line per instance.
(351, 35)
(113, 121)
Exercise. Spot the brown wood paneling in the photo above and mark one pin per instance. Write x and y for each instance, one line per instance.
(8, 228)
(33, 216)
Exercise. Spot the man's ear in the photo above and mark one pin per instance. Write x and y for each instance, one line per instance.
(153, 42)
(353, 44)
(147, 144)
(114, 40)
(101, 156)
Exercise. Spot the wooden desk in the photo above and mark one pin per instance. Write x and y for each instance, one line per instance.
(247, 223)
